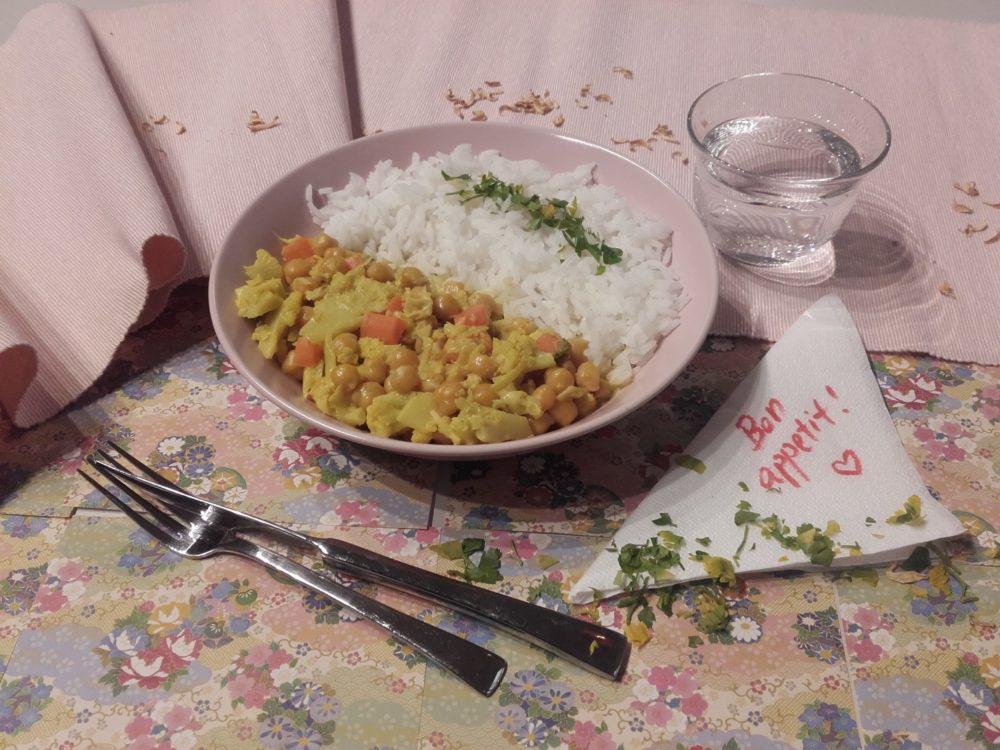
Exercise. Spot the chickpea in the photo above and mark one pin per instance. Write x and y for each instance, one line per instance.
(577, 350)
(304, 284)
(401, 356)
(404, 379)
(323, 242)
(367, 393)
(333, 263)
(541, 424)
(446, 307)
(346, 341)
(336, 252)
(346, 376)
(289, 368)
(410, 277)
(482, 365)
(297, 267)
(450, 389)
(444, 397)
(379, 271)
(588, 376)
(431, 384)
(373, 370)
(546, 396)
(485, 341)
(586, 404)
(482, 298)
(564, 412)
(444, 406)
(559, 378)
(484, 394)
(604, 391)
(453, 287)
(522, 325)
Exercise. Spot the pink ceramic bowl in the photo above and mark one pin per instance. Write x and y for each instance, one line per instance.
(281, 209)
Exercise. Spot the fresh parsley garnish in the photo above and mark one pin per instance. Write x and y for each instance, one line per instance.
(663, 519)
(484, 570)
(909, 514)
(817, 544)
(553, 213)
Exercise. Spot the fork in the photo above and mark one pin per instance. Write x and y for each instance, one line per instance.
(595, 648)
(474, 665)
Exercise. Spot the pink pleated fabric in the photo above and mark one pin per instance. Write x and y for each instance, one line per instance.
(127, 155)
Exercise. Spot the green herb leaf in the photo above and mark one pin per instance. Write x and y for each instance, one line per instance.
(449, 550)
(690, 462)
(545, 586)
(919, 560)
(670, 539)
(646, 616)
(704, 541)
(554, 213)
(909, 514)
(694, 641)
(869, 521)
(743, 486)
(719, 569)
(487, 570)
(546, 561)
(665, 599)
(663, 520)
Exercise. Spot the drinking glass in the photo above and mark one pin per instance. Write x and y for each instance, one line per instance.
(780, 159)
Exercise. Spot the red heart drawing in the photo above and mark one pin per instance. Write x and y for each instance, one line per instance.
(848, 464)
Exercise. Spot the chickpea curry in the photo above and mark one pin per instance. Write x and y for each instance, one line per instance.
(408, 356)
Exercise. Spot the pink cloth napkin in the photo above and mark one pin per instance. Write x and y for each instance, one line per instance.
(105, 210)
(78, 88)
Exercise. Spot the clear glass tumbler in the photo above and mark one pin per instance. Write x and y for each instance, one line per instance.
(780, 159)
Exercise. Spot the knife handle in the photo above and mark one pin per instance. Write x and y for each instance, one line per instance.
(593, 647)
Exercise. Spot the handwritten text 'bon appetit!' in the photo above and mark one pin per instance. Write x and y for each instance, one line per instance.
(802, 432)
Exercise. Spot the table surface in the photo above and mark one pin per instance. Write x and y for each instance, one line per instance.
(108, 640)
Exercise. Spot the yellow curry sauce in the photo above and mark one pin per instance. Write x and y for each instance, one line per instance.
(412, 357)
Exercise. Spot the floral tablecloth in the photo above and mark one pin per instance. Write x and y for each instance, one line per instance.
(108, 641)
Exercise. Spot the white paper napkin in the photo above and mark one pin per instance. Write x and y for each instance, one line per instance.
(807, 437)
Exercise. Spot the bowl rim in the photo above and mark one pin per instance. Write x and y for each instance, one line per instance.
(482, 451)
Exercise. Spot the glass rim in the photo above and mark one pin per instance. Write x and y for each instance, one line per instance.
(799, 181)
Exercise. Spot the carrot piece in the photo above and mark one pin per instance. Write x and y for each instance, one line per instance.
(300, 247)
(473, 315)
(385, 328)
(306, 353)
(395, 304)
(353, 261)
(547, 342)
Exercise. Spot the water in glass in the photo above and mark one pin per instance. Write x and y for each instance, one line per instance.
(765, 190)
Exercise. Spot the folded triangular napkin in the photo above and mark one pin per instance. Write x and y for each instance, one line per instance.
(805, 439)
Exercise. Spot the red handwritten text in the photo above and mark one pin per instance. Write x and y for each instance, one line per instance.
(758, 431)
(785, 466)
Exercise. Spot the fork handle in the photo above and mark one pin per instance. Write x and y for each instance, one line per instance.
(595, 648)
(474, 665)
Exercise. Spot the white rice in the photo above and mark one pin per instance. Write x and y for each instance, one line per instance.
(406, 217)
